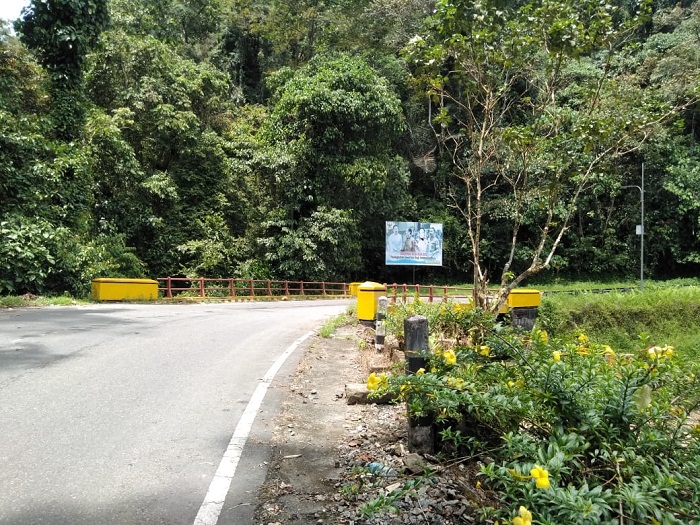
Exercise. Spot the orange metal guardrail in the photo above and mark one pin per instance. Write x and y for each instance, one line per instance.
(249, 288)
(430, 293)
(246, 288)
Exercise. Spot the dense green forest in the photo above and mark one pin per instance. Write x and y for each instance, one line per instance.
(272, 139)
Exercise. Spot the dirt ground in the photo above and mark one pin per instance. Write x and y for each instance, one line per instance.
(323, 448)
(315, 427)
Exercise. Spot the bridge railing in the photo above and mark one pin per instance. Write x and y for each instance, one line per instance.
(428, 293)
(246, 288)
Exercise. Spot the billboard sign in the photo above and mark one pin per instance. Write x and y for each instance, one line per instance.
(413, 243)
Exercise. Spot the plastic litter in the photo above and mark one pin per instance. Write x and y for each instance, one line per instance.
(378, 469)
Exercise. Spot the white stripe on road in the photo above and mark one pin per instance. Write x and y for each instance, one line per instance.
(214, 500)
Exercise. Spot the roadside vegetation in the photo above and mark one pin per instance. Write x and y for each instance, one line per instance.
(666, 315)
(28, 300)
(564, 424)
(269, 139)
(335, 322)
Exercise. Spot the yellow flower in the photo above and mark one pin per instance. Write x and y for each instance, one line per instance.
(544, 337)
(608, 354)
(455, 382)
(582, 338)
(556, 356)
(524, 517)
(657, 352)
(484, 350)
(449, 357)
(511, 384)
(677, 411)
(541, 477)
(420, 371)
(375, 381)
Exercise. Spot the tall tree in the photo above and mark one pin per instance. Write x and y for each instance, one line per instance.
(529, 117)
(333, 131)
(62, 33)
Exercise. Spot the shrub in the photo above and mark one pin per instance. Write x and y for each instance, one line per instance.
(580, 433)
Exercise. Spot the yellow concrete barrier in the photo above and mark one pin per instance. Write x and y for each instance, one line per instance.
(524, 298)
(368, 293)
(353, 289)
(117, 289)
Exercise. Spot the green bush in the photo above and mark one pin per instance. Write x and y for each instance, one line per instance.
(27, 254)
(37, 257)
(580, 432)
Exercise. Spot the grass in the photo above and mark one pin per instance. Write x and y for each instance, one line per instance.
(329, 328)
(28, 300)
(558, 285)
(663, 315)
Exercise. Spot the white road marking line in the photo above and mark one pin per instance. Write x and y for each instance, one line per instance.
(214, 500)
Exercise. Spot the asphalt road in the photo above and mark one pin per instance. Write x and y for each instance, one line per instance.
(120, 414)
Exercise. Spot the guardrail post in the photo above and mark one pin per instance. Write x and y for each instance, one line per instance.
(301, 287)
(269, 291)
(169, 293)
(201, 286)
(323, 287)
(286, 288)
(430, 294)
(251, 288)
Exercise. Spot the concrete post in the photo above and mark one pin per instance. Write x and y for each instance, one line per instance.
(380, 327)
(416, 346)
(421, 433)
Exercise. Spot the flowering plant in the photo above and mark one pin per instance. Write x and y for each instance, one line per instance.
(579, 433)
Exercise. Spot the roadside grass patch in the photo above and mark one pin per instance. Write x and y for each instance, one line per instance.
(23, 301)
(335, 322)
(664, 315)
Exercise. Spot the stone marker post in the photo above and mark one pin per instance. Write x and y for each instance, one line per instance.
(421, 433)
(416, 347)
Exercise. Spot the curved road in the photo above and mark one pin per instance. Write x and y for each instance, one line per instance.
(121, 413)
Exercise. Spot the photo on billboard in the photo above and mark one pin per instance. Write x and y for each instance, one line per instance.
(413, 243)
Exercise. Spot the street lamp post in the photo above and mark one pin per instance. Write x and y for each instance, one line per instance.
(640, 231)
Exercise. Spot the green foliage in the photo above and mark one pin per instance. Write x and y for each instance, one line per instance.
(530, 124)
(142, 133)
(334, 122)
(579, 432)
(322, 247)
(334, 323)
(14, 301)
(63, 32)
(35, 256)
(453, 320)
(668, 313)
(215, 252)
(27, 253)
